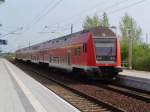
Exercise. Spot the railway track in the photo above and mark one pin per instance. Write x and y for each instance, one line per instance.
(79, 100)
(105, 97)
(131, 92)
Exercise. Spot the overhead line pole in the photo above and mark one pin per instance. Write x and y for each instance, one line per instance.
(120, 9)
(71, 28)
(129, 49)
(146, 38)
(1, 1)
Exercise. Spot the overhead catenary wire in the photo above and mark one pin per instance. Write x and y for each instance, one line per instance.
(86, 10)
(129, 6)
(43, 10)
(12, 32)
(105, 9)
(118, 10)
(39, 14)
(80, 13)
(37, 19)
(77, 17)
(51, 9)
(111, 12)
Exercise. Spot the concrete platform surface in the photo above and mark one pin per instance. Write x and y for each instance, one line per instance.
(21, 93)
(135, 79)
(134, 73)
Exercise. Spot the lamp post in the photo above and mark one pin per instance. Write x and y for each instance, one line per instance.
(115, 28)
(3, 41)
(0, 44)
(129, 48)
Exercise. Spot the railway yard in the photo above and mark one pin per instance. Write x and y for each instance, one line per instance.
(80, 94)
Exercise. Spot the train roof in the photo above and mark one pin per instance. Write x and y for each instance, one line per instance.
(97, 31)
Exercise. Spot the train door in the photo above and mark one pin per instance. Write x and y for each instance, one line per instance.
(68, 57)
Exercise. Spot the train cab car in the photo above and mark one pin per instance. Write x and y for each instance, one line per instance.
(99, 54)
(95, 52)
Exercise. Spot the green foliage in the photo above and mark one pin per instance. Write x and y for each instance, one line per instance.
(105, 20)
(124, 50)
(141, 52)
(91, 22)
(9, 56)
(141, 55)
(128, 23)
(94, 21)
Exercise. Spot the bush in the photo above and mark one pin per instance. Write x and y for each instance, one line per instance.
(141, 55)
(9, 56)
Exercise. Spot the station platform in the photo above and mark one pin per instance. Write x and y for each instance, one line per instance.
(134, 73)
(21, 93)
(136, 79)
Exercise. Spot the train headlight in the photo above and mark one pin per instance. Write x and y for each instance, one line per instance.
(99, 57)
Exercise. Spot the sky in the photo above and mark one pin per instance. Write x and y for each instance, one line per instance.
(27, 22)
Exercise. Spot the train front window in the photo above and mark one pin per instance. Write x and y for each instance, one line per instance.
(105, 49)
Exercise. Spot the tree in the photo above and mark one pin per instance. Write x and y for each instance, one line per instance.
(91, 22)
(129, 23)
(94, 21)
(105, 21)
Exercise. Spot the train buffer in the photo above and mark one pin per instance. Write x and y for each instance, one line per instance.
(21, 93)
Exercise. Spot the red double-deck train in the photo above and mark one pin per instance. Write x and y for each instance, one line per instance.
(95, 52)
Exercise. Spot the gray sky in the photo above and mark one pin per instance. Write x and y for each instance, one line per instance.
(58, 15)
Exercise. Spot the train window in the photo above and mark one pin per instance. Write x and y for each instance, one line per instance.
(84, 47)
(77, 51)
(65, 39)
